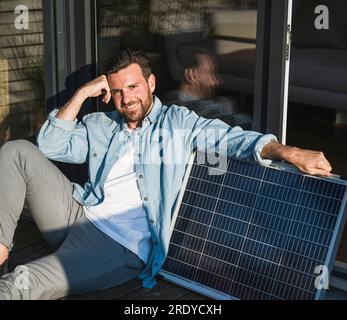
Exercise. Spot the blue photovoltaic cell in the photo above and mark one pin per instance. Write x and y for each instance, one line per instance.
(256, 232)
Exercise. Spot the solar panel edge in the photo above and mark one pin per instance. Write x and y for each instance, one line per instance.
(284, 166)
(195, 286)
(181, 194)
(336, 237)
(287, 167)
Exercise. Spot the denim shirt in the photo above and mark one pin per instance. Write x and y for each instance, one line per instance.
(166, 139)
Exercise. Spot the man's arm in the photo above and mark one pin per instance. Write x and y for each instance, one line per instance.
(61, 138)
(93, 88)
(308, 161)
(211, 135)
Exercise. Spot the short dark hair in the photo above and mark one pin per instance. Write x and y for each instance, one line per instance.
(187, 56)
(125, 58)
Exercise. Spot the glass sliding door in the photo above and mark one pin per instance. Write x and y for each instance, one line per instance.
(317, 108)
(214, 37)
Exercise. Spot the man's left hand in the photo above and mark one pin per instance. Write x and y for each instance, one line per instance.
(307, 161)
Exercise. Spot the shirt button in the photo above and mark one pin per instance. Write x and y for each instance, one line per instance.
(95, 154)
(155, 243)
(140, 176)
(139, 155)
(151, 221)
(156, 264)
(145, 198)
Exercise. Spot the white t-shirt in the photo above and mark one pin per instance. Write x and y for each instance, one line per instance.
(121, 215)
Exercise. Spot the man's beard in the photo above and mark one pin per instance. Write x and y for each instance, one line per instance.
(140, 111)
(208, 92)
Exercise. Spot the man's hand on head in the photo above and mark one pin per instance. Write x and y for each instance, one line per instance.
(307, 161)
(96, 88)
(93, 88)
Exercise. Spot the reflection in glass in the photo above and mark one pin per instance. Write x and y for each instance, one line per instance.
(317, 108)
(202, 52)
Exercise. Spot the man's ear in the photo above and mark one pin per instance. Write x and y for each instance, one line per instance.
(189, 75)
(151, 82)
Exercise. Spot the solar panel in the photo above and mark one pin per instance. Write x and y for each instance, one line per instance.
(255, 232)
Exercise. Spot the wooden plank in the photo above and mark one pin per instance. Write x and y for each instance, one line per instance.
(11, 5)
(19, 97)
(20, 86)
(20, 52)
(191, 295)
(9, 29)
(9, 18)
(21, 40)
(19, 74)
(17, 111)
(163, 290)
(114, 293)
(24, 62)
(4, 96)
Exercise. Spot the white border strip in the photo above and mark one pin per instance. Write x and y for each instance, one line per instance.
(183, 189)
(286, 73)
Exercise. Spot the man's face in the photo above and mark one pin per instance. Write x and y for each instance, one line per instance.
(206, 76)
(132, 93)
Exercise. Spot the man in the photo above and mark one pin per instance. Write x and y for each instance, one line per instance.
(116, 227)
(199, 82)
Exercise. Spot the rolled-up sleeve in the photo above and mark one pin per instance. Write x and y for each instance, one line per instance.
(260, 144)
(213, 135)
(63, 140)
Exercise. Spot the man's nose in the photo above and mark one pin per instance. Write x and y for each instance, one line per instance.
(126, 97)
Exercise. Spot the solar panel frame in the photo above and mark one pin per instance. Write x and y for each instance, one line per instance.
(329, 257)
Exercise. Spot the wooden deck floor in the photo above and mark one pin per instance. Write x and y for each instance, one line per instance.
(29, 245)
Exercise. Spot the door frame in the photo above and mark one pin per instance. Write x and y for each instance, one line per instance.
(272, 67)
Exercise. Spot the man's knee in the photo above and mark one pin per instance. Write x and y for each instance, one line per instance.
(13, 148)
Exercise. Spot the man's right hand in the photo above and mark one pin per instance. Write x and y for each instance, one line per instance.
(93, 88)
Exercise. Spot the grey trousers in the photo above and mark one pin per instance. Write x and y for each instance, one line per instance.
(85, 259)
